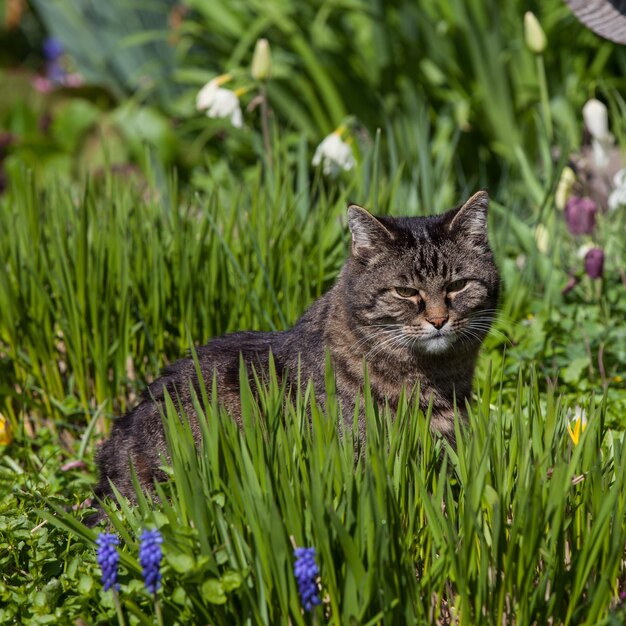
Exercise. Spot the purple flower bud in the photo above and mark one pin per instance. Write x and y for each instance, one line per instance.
(580, 215)
(306, 572)
(52, 49)
(594, 263)
(150, 555)
(108, 559)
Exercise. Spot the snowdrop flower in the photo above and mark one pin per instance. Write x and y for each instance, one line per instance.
(619, 180)
(618, 195)
(576, 423)
(334, 154)
(219, 102)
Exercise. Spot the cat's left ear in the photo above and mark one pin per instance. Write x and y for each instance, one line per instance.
(369, 235)
(471, 218)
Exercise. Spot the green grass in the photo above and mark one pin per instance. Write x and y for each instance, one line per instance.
(517, 524)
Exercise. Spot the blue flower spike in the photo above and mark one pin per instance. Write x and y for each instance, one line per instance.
(306, 572)
(108, 559)
(150, 555)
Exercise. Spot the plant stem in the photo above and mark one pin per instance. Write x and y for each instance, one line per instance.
(118, 608)
(265, 125)
(157, 610)
(543, 92)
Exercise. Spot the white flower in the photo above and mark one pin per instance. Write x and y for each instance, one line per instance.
(619, 180)
(596, 118)
(581, 253)
(334, 154)
(617, 198)
(601, 150)
(219, 102)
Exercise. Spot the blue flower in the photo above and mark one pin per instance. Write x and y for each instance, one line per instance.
(306, 572)
(52, 49)
(108, 559)
(150, 555)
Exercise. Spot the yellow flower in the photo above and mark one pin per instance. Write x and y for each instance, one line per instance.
(576, 424)
(5, 431)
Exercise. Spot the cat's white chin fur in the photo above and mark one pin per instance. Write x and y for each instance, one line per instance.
(435, 345)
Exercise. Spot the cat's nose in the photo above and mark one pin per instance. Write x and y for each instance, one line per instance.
(437, 322)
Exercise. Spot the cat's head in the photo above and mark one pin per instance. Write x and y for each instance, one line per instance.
(422, 285)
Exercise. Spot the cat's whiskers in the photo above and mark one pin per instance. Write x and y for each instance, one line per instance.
(384, 345)
(383, 329)
(391, 344)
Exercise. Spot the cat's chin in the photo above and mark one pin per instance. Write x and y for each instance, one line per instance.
(435, 345)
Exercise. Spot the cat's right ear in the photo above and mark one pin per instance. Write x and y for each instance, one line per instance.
(369, 235)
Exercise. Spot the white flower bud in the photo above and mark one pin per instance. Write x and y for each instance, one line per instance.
(564, 188)
(261, 60)
(596, 118)
(533, 33)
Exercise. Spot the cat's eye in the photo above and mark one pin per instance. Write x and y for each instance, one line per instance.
(456, 285)
(406, 292)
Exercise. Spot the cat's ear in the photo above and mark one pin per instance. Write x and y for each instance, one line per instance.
(471, 218)
(369, 235)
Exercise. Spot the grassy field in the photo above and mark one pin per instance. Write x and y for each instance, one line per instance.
(107, 277)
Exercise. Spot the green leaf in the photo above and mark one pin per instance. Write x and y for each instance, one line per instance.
(72, 121)
(231, 580)
(181, 563)
(574, 370)
(213, 591)
(85, 584)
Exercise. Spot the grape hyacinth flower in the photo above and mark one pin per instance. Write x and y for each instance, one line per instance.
(108, 559)
(150, 555)
(594, 263)
(306, 572)
(580, 215)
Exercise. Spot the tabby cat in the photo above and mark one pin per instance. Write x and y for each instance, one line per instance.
(414, 300)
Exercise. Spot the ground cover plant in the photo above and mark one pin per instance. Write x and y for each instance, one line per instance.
(105, 278)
